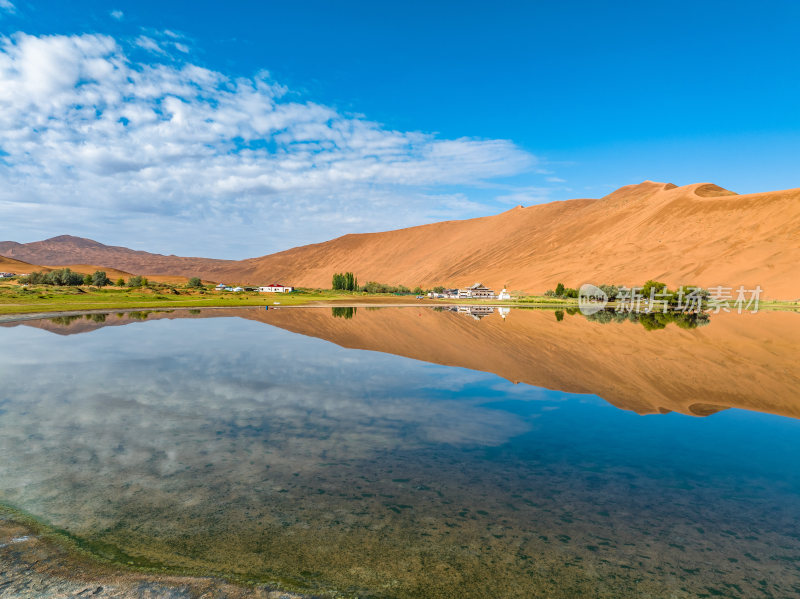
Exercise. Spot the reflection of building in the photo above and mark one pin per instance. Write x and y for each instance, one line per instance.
(503, 312)
(477, 312)
(476, 291)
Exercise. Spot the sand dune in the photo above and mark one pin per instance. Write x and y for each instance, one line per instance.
(15, 266)
(20, 267)
(114, 274)
(695, 234)
(698, 234)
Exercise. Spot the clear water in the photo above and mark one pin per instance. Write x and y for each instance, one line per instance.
(226, 445)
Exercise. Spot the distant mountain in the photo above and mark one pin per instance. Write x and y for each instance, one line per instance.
(67, 250)
(696, 234)
(19, 267)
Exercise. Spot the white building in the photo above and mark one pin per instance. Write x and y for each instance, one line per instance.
(504, 295)
(476, 291)
(275, 288)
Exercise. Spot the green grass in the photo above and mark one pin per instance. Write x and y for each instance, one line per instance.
(15, 299)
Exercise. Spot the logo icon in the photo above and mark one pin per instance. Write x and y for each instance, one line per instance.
(591, 299)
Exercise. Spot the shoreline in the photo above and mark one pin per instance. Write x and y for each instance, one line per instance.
(311, 303)
(35, 563)
(344, 303)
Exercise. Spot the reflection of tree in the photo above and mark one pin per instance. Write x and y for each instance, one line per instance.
(348, 312)
(65, 320)
(654, 320)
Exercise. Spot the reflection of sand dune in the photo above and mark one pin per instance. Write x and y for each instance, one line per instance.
(75, 324)
(743, 361)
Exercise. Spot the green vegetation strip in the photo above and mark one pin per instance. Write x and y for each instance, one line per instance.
(17, 299)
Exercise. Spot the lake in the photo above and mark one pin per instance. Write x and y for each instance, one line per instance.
(415, 452)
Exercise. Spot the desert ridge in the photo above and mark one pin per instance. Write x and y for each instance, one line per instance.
(698, 234)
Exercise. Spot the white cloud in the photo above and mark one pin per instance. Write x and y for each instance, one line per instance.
(149, 44)
(86, 130)
(8, 6)
(117, 14)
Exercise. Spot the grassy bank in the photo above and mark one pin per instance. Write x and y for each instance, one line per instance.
(15, 299)
(18, 300)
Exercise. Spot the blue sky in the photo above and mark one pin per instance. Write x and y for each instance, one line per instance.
(240, 129)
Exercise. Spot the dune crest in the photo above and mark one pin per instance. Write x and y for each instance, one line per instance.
(698, 234)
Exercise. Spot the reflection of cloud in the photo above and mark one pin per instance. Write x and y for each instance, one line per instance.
(132, 405)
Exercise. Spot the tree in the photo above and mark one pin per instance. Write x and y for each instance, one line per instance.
(63, 277)
(438, 289)
(418, 290)
(560, 289)
(60, 277)
(611, 291)
(99, 279)
(195, 283)
(651, 285)
(87, 279)
(345, 281)
(120, 282)
(374, 287)
(137, 281)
